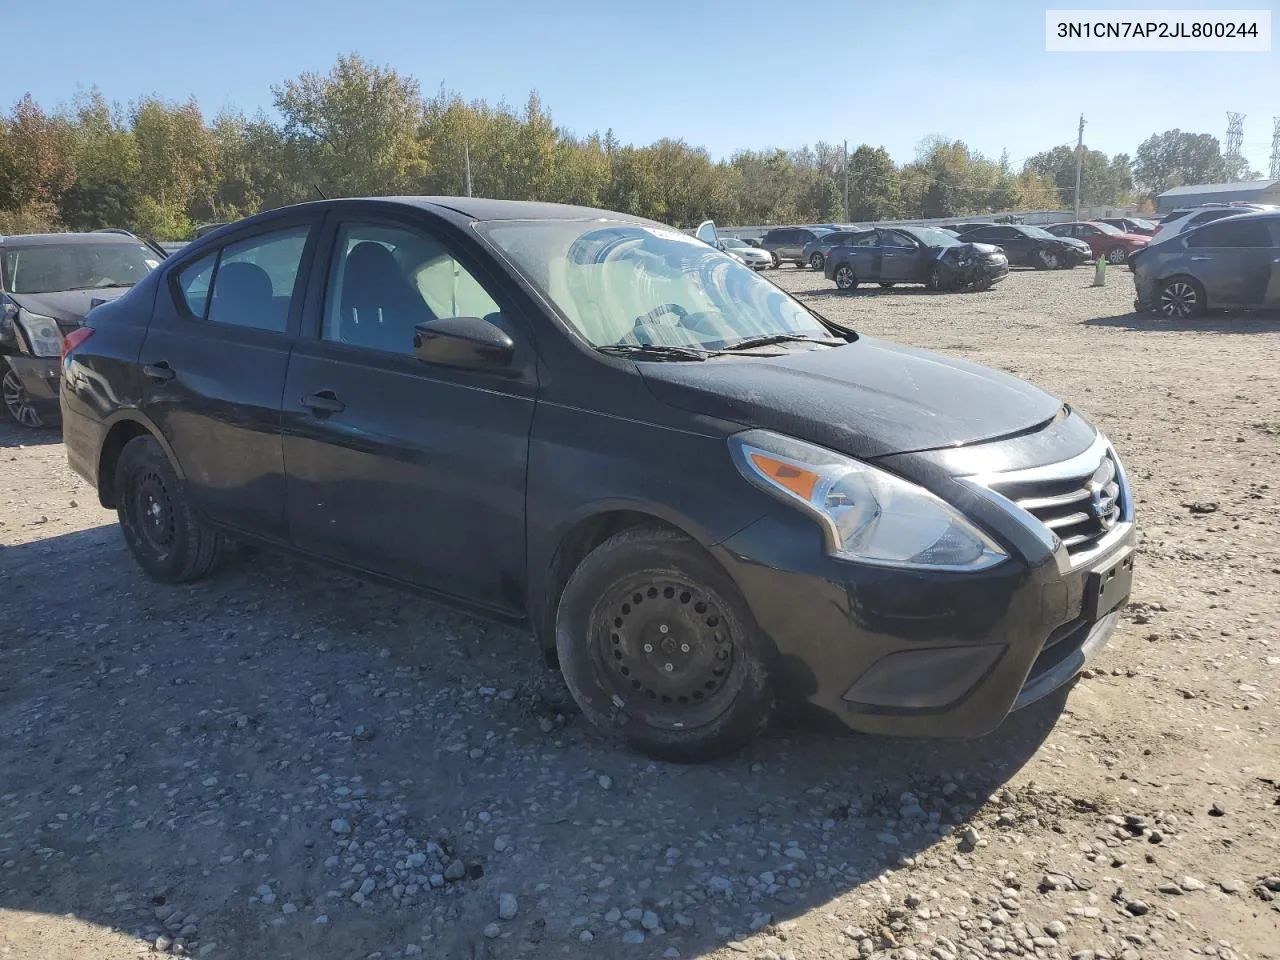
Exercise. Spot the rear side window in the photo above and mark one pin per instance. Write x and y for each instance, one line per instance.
(246, 284)
(1253, 233)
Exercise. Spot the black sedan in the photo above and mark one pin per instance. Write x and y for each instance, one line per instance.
(1032, 246)
(48, 282)
(701, 496)
(914, 255)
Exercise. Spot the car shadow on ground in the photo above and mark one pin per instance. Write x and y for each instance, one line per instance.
(174, 754)
(1260, 321)
(12, 435)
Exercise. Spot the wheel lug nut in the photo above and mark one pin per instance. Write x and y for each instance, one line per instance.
(663, 628)
(668, 668)
(684, 648)
(648, 648)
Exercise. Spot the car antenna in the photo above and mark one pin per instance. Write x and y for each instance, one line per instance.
(316, 188)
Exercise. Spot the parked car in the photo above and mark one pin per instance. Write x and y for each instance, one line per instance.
(1031, 246)
(702, 496)
(786, 244)
(753, 257)
(1103, 239)
(1135, 225)
(158, 248)
(1232, 263)
(1183, 220)
(815, 251)
(915, 255)
(48, 282)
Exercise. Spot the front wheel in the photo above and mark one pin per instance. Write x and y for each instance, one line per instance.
(166, 537)
(17, 401)
(846, 279)
(1047, 260)
(816, 261)
(658, 648)
(1181, 298)
(1117, 255)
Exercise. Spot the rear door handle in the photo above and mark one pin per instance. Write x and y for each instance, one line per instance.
(159, 371)
(1201, 258)
(324, 402)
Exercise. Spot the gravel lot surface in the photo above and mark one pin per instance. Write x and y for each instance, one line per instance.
(282, 762)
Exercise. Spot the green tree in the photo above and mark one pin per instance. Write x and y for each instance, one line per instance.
(1175, 158)
(108, 173)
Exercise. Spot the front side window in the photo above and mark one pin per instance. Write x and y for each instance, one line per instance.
(246, 284)
(895, 240)
(628, 283)
(384, 281)
(57, 267)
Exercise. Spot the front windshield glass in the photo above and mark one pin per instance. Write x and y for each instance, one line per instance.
(629, 284)
(933, 237)
(55, 267)
(730, 242)
(1142, 224)
(1037, 232)
(1108, 229)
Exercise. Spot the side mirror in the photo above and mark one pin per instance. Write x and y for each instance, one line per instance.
(472, 343)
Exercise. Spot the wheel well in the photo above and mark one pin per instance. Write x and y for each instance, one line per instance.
(573, 548)
(120, 434)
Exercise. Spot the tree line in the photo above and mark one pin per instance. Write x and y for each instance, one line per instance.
(161, 168)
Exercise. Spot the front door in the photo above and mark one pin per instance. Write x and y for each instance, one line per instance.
(900, 257)
(413, 471)
(213, 366)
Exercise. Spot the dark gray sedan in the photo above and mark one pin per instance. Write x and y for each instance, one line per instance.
(1228, 264)
(915, 255)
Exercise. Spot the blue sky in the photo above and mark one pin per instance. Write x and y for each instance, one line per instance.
(748, 74)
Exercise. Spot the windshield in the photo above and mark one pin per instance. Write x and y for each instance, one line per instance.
(55, 267)
(933, 237)
(1108, 229)
(730, 242)
(1142, 224)
(628, 283)
(1037, 232)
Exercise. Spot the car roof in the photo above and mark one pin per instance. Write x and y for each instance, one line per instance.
(1244, 215)
(40, 239)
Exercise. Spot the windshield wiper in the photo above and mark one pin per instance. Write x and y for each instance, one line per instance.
(654, 351)
(747, 343)
(100, 286)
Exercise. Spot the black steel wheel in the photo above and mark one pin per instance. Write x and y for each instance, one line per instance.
(163, 532)
(17, 401)
(657, 646)
(1181, 298)
(845, 278)
(816, 261)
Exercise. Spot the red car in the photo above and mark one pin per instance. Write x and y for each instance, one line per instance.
(1103, 239)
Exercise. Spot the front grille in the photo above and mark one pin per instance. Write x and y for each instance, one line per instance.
(1079, 509)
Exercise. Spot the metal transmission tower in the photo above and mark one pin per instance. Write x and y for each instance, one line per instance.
(1275, 150)
(1235, 141)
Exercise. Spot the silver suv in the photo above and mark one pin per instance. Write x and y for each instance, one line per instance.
(786, 244)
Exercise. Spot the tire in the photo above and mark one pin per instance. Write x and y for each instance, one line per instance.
(817, 261)
(617, 653)
(1117, 255)
(1181, 298)
(888, 286)
(1046, 260)
(164, 534)
(776, 262)
(16, 400)
(845, 278)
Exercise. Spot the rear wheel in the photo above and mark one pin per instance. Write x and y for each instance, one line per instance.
(658, 648)
(1047, 260)
(846, 279)
(1117, 255)
(17, 401)
(162, 530)
(816, 261)
(776, 262)
(1180, 298)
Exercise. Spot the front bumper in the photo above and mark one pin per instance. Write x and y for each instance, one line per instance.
(924, 654)
(39, 377)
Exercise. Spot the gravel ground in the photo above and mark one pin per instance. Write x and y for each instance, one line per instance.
(284, 762)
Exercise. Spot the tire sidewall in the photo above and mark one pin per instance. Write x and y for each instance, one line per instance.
(750, 687)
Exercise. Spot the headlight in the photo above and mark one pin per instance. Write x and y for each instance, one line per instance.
(42, 333)
(869, 516)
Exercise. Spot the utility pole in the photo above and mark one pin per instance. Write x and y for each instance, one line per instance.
(466, 153)
(1275, 150)
(846, 177)
(1079, 162)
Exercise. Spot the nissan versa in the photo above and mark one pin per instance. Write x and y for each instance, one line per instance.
(702, 496)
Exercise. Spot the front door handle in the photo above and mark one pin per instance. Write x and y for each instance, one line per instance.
(159, 371)
(1201, 258)
(325, 402)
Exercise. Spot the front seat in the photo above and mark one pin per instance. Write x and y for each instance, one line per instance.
(380, 307)
(243, 295)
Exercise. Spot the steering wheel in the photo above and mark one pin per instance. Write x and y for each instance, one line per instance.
(639, 327)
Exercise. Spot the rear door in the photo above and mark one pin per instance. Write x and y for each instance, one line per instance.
(214, 363)
(1235, 262)
(410, 470)
(900, 257)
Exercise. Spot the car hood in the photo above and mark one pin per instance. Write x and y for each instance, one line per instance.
(67, 306)
(868, 399)
(980, 249)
